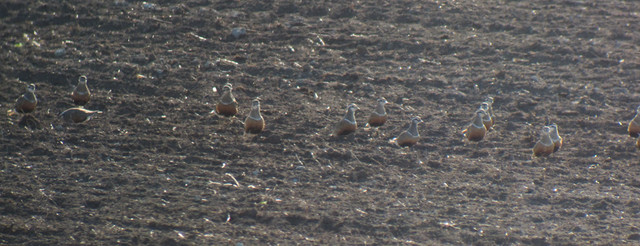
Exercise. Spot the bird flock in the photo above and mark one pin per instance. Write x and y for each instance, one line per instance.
(81, 95)
(482, 122)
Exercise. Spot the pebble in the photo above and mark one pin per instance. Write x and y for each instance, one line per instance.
(238, 32)
(151, 6)
(60, 52)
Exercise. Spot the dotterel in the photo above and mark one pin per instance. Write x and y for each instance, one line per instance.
(347, 124)
(81, 94)
(78, 115)
(544, 146)
(634, 125)
(476, 130)
(555, 137)
(379, 115)
(228, 106)
(410, 136)
(28, 101)
(254, 122)
(487, 119)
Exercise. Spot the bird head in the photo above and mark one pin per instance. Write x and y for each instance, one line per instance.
(227, 87)
(489, 100)
(352, 107)
(255, 103)
(82, 79)
(485, 106)
(31, 88)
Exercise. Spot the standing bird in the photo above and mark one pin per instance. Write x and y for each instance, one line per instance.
(27, 102)
(78, 114)
(410, 136)
(476, 130)
(347, 124)
(634, 125)
(544, 146)
(555, 137)
(379, 115)
(81, 94)
(487, 119)
(489, 102)
(254, 122)
(228, 106)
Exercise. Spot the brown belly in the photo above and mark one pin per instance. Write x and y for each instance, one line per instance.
(557, 145)
(634, 129)
(226, 110)
(253, 126)
(77, 118)
(376, 120)
(25, 107)
(80, 99)
(74, 116)
(406, 140)
(542, 150)
(345, 128)
(475, 133)
(488, 124)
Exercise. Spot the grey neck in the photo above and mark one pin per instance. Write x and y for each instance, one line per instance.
(227, 97)
(413, 129)
(477, 121)
(380, 110)
(30, 96)
(82, 88)
(636, 118)
(545, 139)
(350, 116)
(555, 135)
(255, 113)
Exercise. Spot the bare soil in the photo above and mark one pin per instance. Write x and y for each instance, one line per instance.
(158, 168)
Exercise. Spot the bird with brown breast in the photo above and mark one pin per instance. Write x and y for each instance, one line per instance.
(255, 122)
(410, 136)
(347, 124)
(544, 146)
(555, 137)
(379, 115)
(81, 94)
(78, 115)
(634, 125)
(227, 106)
(476, 130)
(28, 101)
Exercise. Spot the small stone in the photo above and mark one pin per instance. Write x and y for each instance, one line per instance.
(60, 52)
(238, 32)
(149, 6)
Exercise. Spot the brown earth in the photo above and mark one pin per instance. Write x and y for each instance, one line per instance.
(158, 168)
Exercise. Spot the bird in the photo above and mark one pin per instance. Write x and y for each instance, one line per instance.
(228, 106)
(254, 122)
(487, 119)
(81, 94)
(555, 137)
(379, 115)
(347, 124)
(544, 146)
(78, 114)
(476, 130)
(410, 136)
(27, 102)
(489, 104)
(634, 125)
